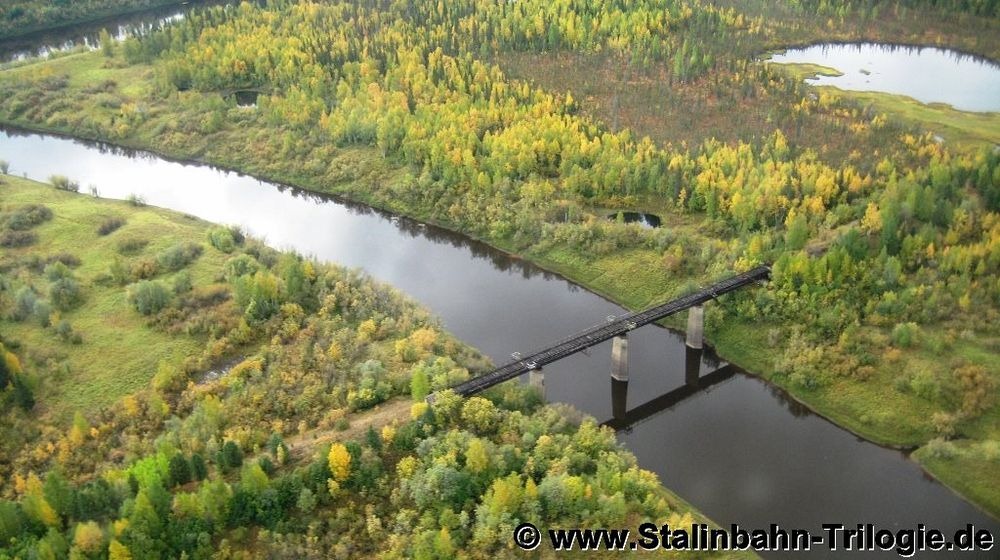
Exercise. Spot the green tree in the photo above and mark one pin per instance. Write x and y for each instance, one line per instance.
(179, 470)
(107, 43)
(231, 456)
(797, 233)
(420, 385)
(199, 470)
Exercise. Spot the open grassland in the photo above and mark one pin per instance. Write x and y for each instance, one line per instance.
(119, 352)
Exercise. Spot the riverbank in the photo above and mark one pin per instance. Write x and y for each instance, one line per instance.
(200, 126)
(24, 32)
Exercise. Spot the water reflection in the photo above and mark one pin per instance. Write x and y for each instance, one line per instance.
(643, 219)
(625, 420)
(46, 43)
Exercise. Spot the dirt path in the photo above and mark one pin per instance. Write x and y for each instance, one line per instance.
(397, 409)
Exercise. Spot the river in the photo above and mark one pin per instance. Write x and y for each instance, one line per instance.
(741, 451)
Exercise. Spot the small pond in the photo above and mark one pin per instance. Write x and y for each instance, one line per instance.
(929, 75)
(246, 98)
(641, 218)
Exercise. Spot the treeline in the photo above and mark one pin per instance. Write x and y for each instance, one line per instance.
(871, 8)
(452, 482)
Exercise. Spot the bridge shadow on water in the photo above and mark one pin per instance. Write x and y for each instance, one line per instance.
(624, 419)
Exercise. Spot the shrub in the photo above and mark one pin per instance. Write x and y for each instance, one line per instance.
(178, 256)
(4, 166)
(27, 217)
(110, 225)
(118, 272)
(240, 265)
(65, 331)
(926, 384)
(63, 183)
(222, 239)
(938, 448)
(905, 334)
(57, 271)
(135, 200)
(42, 312)
(148, 297)
(169, 378)
(131, 245)
(143, 269)
(65, 293)
(67, 259)
(24, 303)
(12, 239)
(182, 283)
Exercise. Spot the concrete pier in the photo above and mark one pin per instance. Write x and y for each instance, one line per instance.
(536, 378)
(696, 327)
(619, 399)
(692, 366)
(619, 358)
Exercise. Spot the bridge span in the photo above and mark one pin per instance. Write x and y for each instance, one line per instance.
(614, 327)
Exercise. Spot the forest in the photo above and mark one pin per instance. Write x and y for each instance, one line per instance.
(885, 244)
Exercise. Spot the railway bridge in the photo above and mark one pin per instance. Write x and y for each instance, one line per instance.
(616, 328)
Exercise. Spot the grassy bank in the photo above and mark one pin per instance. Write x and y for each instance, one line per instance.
(83, 378)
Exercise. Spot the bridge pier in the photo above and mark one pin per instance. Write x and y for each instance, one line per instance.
(536, 379)
(615, 327)
(619, 398)
(619, 358)
(692, 366)
(696, 327)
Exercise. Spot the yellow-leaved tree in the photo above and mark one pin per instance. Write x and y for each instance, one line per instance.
(340, 462)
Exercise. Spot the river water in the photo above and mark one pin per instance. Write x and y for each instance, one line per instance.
(49, 42)
(739, 449)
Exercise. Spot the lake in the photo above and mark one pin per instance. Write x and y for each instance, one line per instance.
(927, 74)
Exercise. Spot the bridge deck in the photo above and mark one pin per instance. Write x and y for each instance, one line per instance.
(597, 334)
